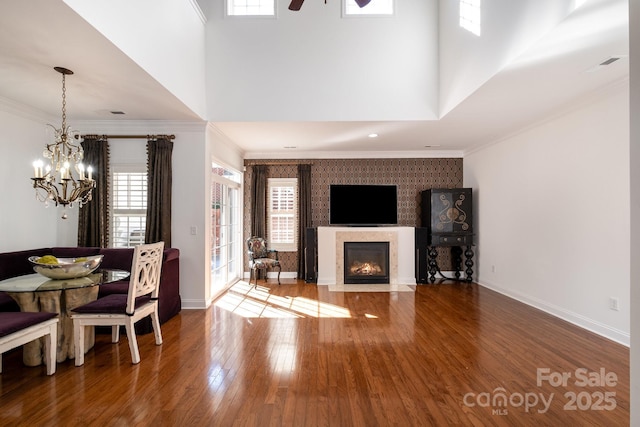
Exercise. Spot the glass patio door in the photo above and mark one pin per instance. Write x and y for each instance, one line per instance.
(225, 229)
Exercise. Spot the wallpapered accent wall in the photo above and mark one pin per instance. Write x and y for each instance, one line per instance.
(410, 175)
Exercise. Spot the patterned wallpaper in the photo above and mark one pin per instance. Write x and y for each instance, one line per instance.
(410, 175)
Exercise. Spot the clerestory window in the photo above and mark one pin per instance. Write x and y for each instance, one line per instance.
(470, 16)
(374, 7)
(251, 8)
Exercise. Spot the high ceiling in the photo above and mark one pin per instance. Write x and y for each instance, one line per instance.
(550, 77)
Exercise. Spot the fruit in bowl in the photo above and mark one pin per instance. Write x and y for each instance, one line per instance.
(65, 268)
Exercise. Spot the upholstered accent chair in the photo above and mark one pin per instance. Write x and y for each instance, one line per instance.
(261, 258)
(116, 310)
(19, 327)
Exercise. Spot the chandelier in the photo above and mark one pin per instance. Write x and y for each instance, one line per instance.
(62, 178)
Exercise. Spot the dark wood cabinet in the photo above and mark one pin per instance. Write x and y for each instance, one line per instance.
(447, 211)
(447, 222)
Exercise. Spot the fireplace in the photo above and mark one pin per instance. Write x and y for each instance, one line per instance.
(366, 262)
(402, 255)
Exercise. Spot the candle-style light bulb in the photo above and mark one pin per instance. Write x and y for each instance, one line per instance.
(37, 169)
(90, 171)
(64, 172)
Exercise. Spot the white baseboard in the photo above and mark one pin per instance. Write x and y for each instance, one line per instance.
(274, 275)
(193, 304)
(591, 325)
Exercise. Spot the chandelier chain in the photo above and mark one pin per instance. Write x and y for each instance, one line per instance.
(64, 104)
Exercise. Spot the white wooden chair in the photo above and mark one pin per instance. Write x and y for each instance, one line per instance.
(18, 328)
(118, 309)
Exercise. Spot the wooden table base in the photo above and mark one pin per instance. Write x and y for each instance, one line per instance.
(61, 302)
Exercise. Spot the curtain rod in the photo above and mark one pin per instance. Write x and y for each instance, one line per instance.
(277, 163)
(129, 136)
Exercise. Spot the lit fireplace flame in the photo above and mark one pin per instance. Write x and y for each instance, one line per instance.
(365, 268)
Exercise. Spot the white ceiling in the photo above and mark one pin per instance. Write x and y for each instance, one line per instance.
(549, 78)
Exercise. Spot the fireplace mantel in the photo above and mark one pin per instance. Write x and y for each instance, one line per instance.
(331, 251)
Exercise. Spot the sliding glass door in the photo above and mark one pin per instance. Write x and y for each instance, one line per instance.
(226, 247)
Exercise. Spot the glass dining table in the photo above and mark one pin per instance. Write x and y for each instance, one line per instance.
(34, 292)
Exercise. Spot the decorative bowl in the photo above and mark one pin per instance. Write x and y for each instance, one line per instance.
(67, 268)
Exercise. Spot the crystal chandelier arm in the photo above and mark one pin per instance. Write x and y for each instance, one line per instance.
(50, 190)
(82, 191)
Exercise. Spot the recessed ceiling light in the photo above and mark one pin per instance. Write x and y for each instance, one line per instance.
(290, 146)
(117, 112)
(432, 146)
(373, 135)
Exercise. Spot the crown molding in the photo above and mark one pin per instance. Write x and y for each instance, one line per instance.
(295, 154)
(224, 139)
(25, 111)
(198, 10)
(138, 126)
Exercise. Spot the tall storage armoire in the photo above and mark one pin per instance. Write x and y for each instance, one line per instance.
(447, 221)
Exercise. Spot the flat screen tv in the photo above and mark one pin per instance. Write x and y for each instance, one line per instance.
(363, 205)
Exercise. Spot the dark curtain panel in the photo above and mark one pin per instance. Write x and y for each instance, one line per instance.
(259, 206)
(159, 178)
(93, 218)
(304, 216)
(259, 201)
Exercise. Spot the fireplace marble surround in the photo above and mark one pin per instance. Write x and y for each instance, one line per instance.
(331, 252)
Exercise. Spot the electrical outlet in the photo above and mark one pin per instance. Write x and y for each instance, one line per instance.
(493, 268)
(194, 230)
(614, 303)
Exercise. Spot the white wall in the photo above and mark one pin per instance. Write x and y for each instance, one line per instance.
(552, 214)
(191, 209)
(164, 37)
(314, 65)
(508, 28)
(26, 223)
(634, 39)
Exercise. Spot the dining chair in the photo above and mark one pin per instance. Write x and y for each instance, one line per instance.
(260, 259)
(20, 327)
(117, 310)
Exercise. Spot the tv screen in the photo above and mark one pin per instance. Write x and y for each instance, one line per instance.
(363, 204)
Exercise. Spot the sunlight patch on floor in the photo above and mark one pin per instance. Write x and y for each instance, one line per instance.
(254, 302)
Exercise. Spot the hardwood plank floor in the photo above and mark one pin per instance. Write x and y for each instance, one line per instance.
(299, 355)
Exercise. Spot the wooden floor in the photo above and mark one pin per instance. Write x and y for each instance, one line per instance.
(299, 355)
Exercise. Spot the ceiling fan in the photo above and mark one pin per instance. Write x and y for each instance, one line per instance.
(297, 4)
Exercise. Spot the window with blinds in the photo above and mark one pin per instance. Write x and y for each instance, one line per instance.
(128, 206)
(282, 214)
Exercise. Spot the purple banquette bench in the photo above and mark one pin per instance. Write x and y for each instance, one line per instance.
(16, 263)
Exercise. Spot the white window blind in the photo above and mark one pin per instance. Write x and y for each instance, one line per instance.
(128, 205)
(282, 214)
